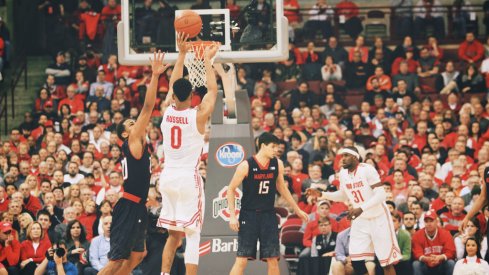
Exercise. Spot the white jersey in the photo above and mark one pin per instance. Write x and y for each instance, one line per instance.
(356, 185)
(182, 141)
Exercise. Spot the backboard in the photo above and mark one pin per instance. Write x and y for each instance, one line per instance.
(257, 32)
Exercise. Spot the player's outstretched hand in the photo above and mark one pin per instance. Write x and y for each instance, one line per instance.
(354, 213)
(463, 225)
(157, 65)
(183, 46)
(234, 224)
(311, 192)
(302, 215)
(219, 68)
(211, 51)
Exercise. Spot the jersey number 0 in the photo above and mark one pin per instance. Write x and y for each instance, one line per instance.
(176, 137)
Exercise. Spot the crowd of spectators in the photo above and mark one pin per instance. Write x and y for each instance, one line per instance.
(422, 122)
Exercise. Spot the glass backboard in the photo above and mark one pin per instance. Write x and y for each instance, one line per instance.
(257, 31)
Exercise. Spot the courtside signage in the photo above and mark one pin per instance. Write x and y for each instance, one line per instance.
(220, 204)
(218, 246)
(230, 154)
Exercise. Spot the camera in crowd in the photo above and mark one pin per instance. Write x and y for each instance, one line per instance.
(56, 249)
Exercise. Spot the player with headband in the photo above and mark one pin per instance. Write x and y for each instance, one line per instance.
(372, 232)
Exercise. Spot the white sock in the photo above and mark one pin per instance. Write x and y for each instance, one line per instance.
(164, 273)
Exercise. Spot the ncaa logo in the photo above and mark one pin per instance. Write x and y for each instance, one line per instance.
(230, 154)
(220, 204)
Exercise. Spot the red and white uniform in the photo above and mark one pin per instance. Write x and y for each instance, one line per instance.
(181, 185)
(372, 233)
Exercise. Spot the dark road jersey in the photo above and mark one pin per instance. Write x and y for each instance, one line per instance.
(136, 172)
(259, 187)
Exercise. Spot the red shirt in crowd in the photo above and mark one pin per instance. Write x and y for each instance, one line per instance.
(37, 255)
(87, 220)
(75, 104)
(10, 253)
(471, 51)
(312, 230)
(442, 243)
(32, 205)
(452, 222)
(297, 180)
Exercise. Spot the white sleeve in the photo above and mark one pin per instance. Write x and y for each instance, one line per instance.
(335, 196)
(378, 198)
(372, 175)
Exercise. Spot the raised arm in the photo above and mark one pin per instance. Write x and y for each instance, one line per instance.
(136, 138)
(229, 84)
(183, 48)
(478, 204)
(209, 101)
(239, 175)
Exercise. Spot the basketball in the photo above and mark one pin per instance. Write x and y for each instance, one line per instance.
(189, 22)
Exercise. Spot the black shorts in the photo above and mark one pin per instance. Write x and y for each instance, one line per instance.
(128, 229)
(258, 226)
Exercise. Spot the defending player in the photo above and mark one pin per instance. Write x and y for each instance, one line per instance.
(262, 175)
(181, 186)
(479, 203)
(128, 230)
(372, 231)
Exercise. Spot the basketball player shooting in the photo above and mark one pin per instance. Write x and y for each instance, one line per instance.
(181, 186)
(372, 231)
(129, 222)
(261, 175)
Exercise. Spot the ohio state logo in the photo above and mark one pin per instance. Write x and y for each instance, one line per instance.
(220, 204)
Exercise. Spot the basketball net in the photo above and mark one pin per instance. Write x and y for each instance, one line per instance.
(194, 61)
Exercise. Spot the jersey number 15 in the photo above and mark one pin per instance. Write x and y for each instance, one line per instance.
(264, 186)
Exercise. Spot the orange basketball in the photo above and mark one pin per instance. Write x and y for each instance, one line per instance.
(189, 22)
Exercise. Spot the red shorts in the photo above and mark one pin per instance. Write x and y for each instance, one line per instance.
(1, 266)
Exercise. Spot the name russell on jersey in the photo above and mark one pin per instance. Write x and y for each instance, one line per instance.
(177, 119)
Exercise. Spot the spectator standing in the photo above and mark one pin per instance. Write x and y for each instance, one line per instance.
(429, 12)
(404, 17)
(320, 16)
(347, 12)
(60, 70)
